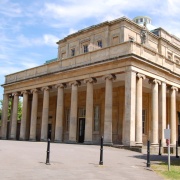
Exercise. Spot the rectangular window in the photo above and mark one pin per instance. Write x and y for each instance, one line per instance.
(67, 113)
(72, 52)
(85, 48)
(143, 120)
(99, 44)
(141, 19)
(82, 112)
(96, 118)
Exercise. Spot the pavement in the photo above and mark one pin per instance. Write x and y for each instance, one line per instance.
(23, 160)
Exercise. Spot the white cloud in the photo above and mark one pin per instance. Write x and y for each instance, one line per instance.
(10, 9)
(50, 39)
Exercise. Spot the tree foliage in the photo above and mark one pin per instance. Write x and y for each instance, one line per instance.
(10, 107)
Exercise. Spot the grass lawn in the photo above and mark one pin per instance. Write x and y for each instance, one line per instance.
(162, 169)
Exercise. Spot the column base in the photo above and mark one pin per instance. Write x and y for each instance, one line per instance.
(107, 143)
(12, 139)
(32, 140)
(22, 139)
(129, 143)
(139, 144)
(88, 142)
(58, 141)
(72, 142)
(154, 144)
(3, 138)
(43, 140)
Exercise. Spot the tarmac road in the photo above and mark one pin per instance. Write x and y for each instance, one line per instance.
(23, 160)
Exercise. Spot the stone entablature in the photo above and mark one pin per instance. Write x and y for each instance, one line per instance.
(116, 51)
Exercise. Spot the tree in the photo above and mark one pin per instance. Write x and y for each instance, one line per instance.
(9, 109)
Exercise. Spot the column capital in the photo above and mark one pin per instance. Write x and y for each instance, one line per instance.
(34, 90)
(154, 81)
(110, 77)
(174, 88)
(61, 85)
(90, 80)
(24, 92)
(75, 83)
(46, 88)
(15, 94)
(139, 75)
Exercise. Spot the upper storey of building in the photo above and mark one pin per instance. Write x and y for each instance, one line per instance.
(111, 33)
(106, 41)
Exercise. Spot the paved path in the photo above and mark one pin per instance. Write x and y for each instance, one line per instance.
(26, 161)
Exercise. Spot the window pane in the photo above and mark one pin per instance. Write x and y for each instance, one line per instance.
(100, 44)
(85, 48)
(72, 52)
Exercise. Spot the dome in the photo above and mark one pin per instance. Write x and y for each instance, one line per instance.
(144, 19)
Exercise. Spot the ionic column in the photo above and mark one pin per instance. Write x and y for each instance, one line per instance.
(59, 113)
(45, 113)
(162, 112)
(108, 109)
(155, 108)
(73, 111)
(14, 115)
(139, 95)
(34, 115)
(24, 115)
(89, 110)
(130, 103)
(173, 115)
(4, 116)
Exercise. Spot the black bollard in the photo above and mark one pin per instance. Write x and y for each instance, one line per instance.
(48, 152)
(160, 147)
(177, 149)
(148, 153)
(101, 152)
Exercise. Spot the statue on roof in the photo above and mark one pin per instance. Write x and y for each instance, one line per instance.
(143, 34)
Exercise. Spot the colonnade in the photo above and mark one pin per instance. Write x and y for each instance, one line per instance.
(132, 123)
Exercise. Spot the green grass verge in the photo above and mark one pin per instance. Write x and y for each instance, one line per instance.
(162, 169)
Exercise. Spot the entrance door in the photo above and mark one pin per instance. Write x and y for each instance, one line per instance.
(49, 130)
(179, 135)
(178, 128)
(81, 129)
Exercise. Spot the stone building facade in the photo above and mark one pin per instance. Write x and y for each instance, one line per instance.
(115, 79)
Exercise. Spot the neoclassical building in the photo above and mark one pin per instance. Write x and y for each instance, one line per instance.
(119, 79)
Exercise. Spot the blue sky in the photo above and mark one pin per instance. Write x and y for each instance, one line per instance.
(29, 29)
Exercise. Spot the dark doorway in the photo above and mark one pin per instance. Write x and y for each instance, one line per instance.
(81, 129)
(49, 130)
(179, 135)
(178, 128)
